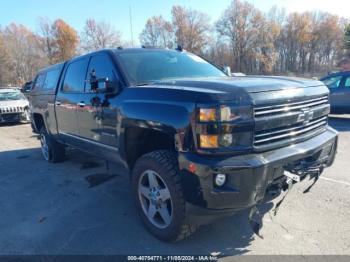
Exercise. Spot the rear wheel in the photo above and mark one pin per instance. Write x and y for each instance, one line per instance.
(159, 196)
(51, 150)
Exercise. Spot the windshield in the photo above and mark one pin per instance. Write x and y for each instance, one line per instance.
(144, 67)
(11, 95)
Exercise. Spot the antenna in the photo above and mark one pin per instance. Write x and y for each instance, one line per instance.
(131, 31)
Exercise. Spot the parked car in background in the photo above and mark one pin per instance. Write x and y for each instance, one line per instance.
(339, 86)
(14, 106)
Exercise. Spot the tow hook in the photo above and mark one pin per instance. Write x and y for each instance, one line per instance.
(313, 172)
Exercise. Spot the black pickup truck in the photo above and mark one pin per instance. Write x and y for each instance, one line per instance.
(199, 144)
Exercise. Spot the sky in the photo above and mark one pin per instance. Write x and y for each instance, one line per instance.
(116, 12)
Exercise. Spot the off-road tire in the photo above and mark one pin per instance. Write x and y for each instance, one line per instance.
(56, 151)
(165, 163)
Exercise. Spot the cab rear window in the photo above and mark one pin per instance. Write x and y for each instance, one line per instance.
(51, 79)
(39, 82)
(48, 80)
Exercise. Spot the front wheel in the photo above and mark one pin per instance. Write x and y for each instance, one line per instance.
(159, 196)
(51, 150)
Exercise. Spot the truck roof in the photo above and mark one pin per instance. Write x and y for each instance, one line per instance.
(51, 67)
(125, 50)
(113, 50)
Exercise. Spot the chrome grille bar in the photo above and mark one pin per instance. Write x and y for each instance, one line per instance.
(304, 125)
(291, 134)
(268, 110)
(291, 129)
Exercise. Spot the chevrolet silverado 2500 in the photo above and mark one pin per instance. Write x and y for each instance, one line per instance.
(199, 144)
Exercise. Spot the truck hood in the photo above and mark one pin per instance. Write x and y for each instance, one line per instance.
(247, 90)
(248, 84)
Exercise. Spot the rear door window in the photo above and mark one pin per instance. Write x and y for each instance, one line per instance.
(75, 78)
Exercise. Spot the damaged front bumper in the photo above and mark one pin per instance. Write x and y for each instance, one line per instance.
(250, 176)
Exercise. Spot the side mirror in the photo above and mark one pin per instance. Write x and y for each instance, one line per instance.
(227, 70)
(104, 85)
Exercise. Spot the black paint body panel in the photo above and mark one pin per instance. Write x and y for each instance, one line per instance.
(170, 107)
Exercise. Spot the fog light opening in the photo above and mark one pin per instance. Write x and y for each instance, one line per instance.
(220, 180)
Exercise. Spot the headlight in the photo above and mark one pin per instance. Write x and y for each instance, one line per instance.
(209, 141)
(226, 140)
(224, 114)
(228, 114)
(225, 127)
(207, 115)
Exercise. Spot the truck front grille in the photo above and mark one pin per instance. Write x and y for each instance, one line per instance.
(290, 107)
(7, 110)
(283, 124)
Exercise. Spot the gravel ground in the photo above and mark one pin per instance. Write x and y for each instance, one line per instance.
(76, 207)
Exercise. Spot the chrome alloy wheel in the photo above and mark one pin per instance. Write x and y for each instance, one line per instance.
(155, 199)
(44, 147)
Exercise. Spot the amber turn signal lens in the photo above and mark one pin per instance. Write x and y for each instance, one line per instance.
(207, 114)
(209, 141)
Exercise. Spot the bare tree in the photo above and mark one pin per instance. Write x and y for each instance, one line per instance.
(311, 42)
(241, 24)
(246, 39)
(219, 53)
(347, 39)
(4, 72)
(157, 32)
(101, 35)
(191, 28)
(267, 43)
(47, 38)
(24, 57)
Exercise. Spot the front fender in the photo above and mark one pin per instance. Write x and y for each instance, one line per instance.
(171, 118)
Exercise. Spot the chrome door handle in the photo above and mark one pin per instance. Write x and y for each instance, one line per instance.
(81, 104)
(58, 103)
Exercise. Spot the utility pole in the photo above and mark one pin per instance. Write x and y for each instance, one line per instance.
(131, 31)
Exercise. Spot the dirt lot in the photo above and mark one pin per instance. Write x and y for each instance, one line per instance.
(76, 208)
